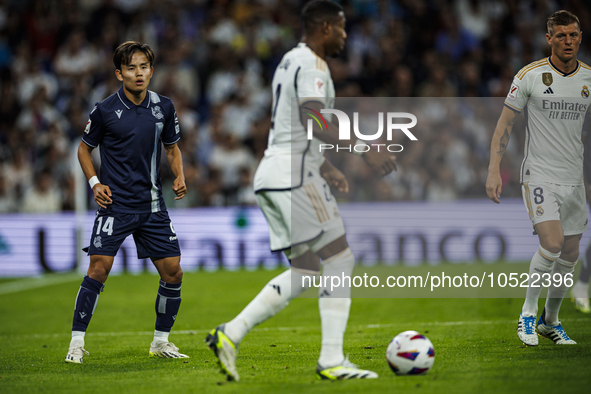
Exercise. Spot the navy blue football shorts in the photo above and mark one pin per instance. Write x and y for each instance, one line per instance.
(153, 234)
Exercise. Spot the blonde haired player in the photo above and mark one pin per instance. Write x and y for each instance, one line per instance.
(554, 92)
(292, 181)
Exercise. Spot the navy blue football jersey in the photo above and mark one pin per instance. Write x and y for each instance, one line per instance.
(129, 137)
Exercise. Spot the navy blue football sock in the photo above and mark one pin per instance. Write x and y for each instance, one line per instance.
(86, 301)
(168, 302)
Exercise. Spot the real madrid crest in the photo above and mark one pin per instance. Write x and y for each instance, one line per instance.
(547, 79)
(157, 112)
(539, 211)
(585, 92)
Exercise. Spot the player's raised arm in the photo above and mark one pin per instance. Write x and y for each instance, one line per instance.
(382, 162)
(500, 139)
(175, 161)
(102, 193)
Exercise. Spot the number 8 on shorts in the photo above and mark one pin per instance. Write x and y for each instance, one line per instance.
(550, 201)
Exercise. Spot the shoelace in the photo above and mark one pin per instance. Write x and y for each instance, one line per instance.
(529, 323)
(169, 345)
(561, 332)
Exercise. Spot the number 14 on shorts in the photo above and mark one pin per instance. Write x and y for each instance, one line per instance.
(107, 227)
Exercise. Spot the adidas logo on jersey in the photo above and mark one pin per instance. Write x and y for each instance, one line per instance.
(549, 91)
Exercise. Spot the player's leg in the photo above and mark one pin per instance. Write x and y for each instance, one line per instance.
(549, 326)
(86, 300)
(168, 302)
(580, 291)
(156, 238)
(573, 214)
(108, 233)
(273, 298)
(551, 238)
(565, 267)
(315, 208)
(275, 295)
(334, 305)
(337, 260)
(543, 209)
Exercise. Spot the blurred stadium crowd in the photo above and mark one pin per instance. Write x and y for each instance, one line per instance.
(216, 58)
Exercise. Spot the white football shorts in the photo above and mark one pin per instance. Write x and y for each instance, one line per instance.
(550, 201)
(305, 216)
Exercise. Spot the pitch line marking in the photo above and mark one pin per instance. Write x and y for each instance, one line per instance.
(264, 329)
(36, 282)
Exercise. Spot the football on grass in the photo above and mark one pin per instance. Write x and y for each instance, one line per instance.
(410, 353)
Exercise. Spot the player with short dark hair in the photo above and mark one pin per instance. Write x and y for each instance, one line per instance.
(125, 51)
(561, 18)
(129, 128)
(554, 92)
(316, 13)
(293, 181)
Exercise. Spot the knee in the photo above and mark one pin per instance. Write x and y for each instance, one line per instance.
(174, 274)
(178, 275)
(99, 270)
(553, 245)
(570, 255)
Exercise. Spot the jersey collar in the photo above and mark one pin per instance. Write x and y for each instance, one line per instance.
(304, 45)
(560, 72)
(128, 104)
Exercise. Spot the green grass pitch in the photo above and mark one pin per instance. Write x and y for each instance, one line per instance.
(476, 346)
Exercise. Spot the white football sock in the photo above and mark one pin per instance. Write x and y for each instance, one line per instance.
(160, 337)
(334, 305)
(556, 293)
(272, 299)
(77, 338)
(541, 263)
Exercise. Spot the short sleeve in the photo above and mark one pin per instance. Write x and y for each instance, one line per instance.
(171, 133)
(94, 130)
(518, 95)
(312, 83)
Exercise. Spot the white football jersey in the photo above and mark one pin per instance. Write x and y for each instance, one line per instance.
(556, 104)
(300, 77)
